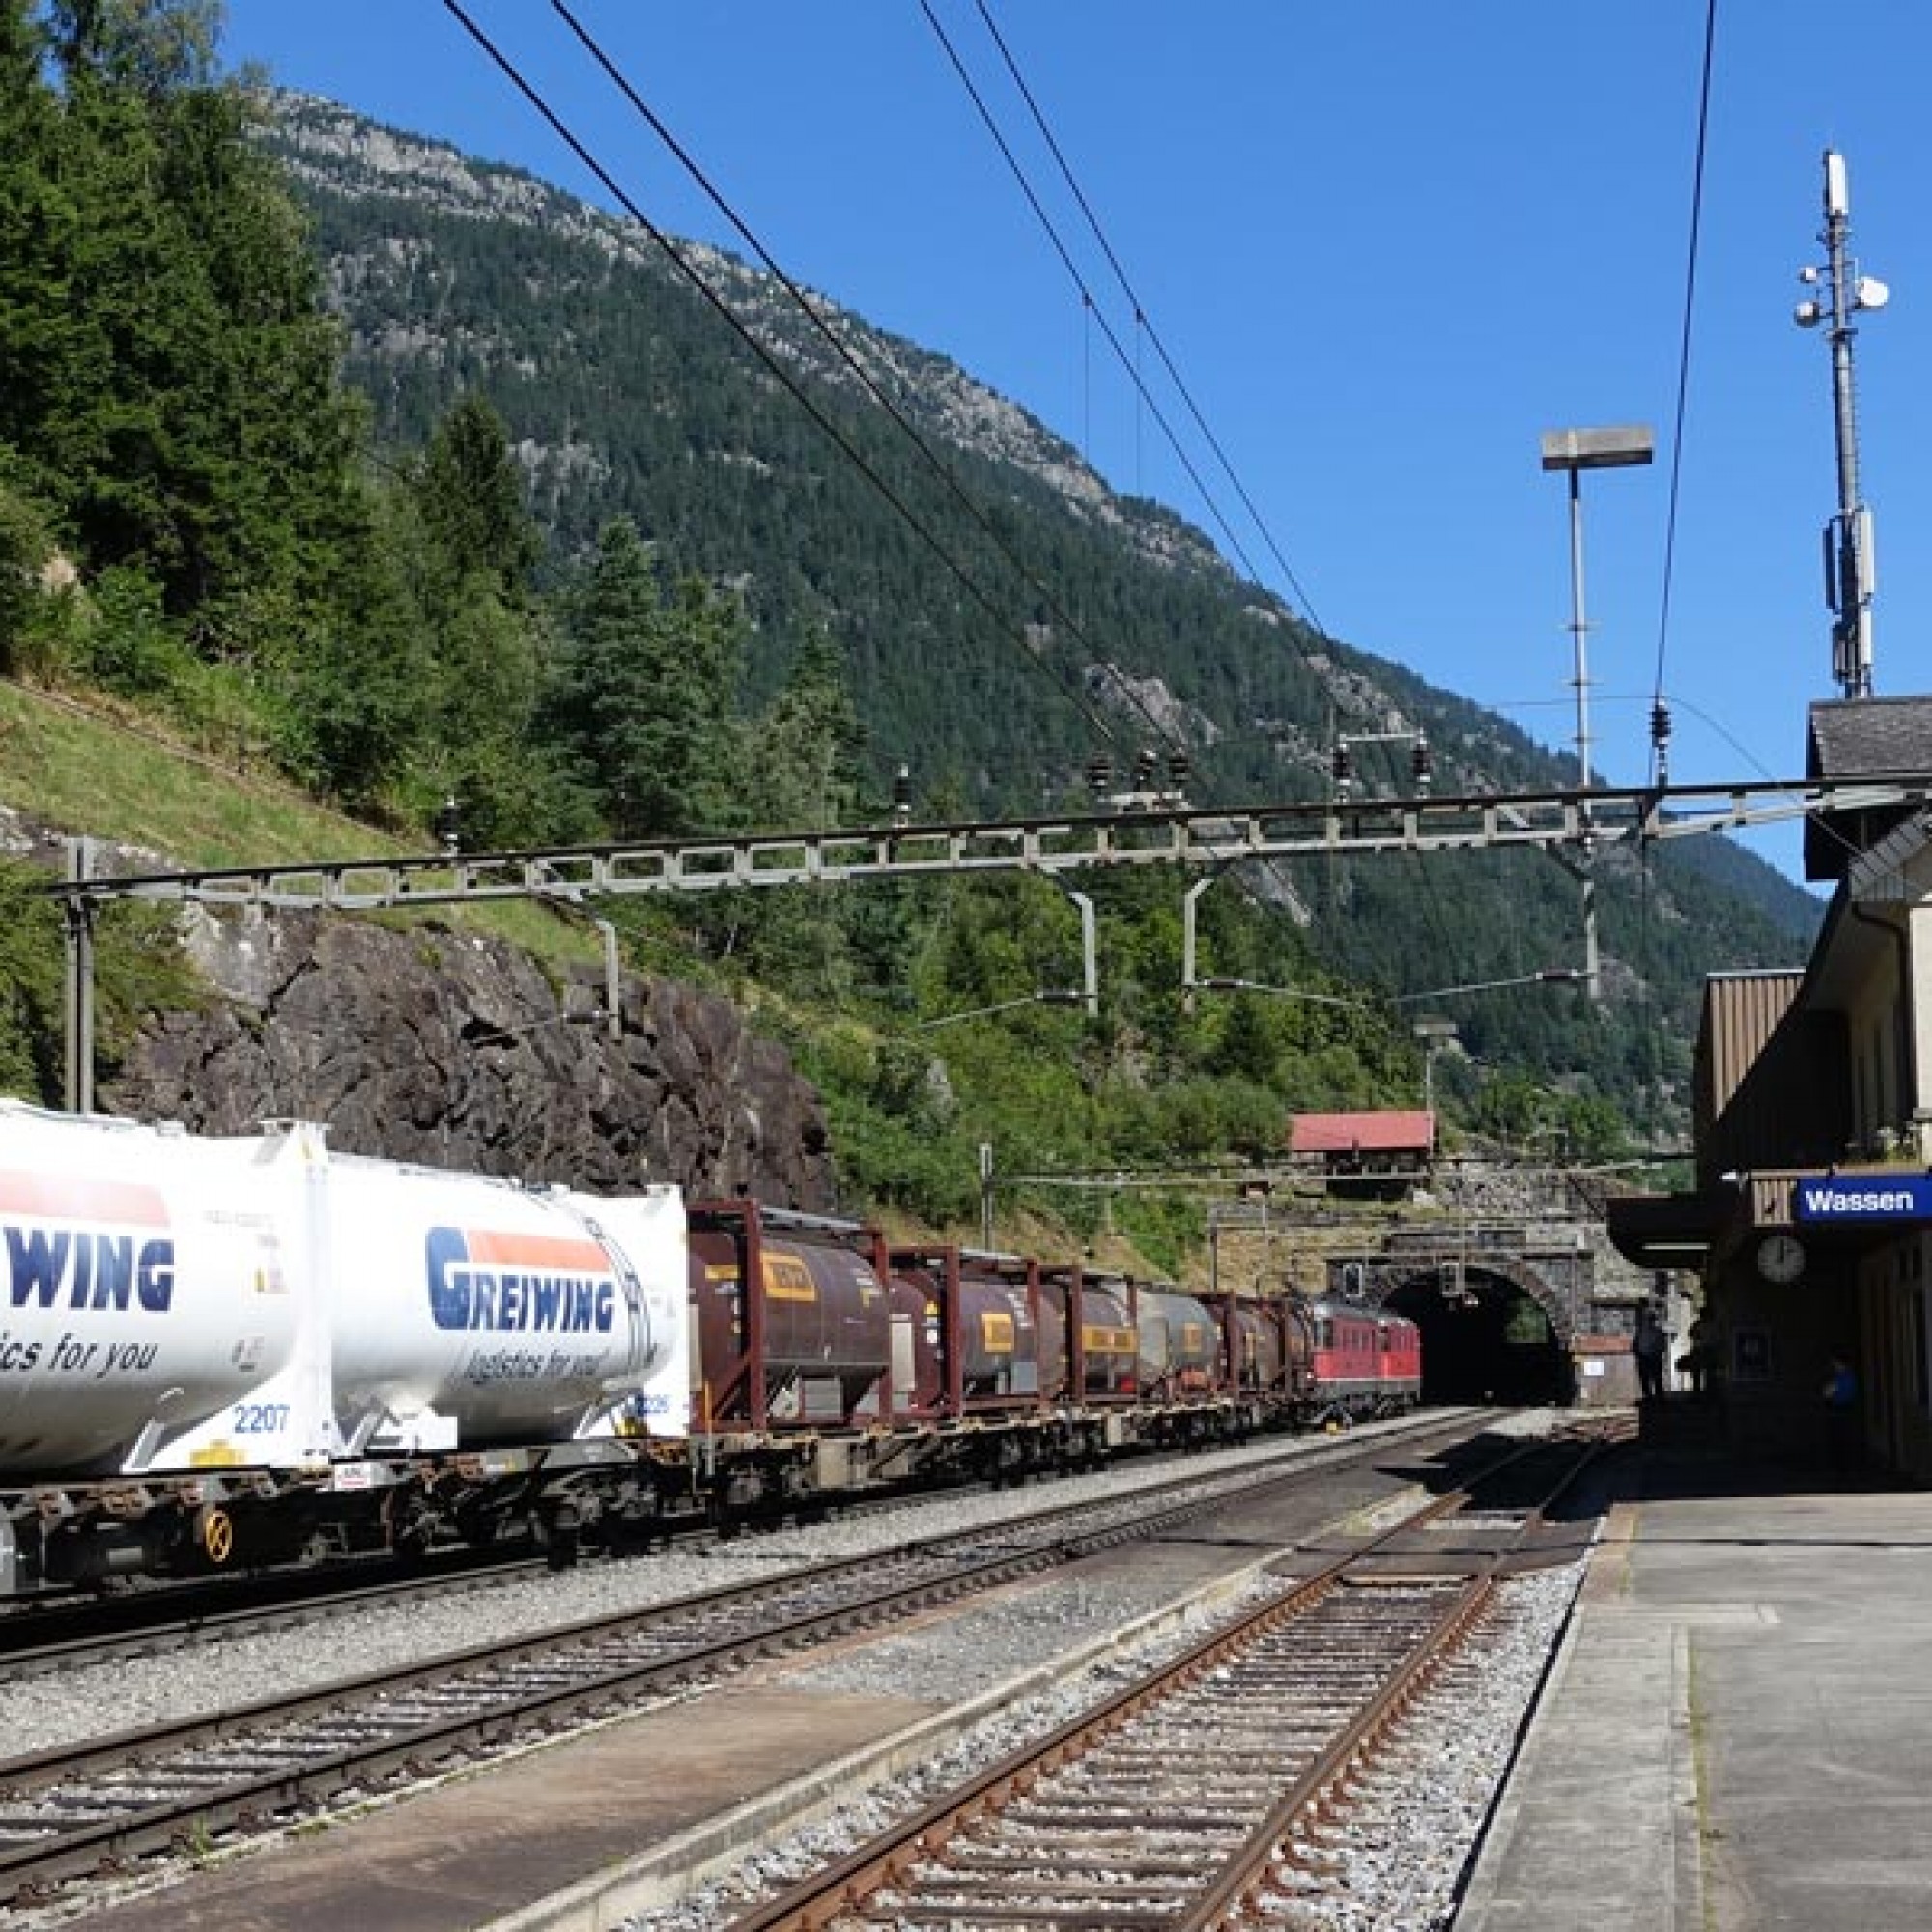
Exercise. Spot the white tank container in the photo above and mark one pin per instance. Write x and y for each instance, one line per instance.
(145, 1283)
(170, 1303)
(471, 1312)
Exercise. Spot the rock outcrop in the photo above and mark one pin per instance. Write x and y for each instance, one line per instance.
(437, 1045)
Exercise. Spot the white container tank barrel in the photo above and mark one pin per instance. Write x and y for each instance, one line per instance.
(471, 1312)
(147, 1285)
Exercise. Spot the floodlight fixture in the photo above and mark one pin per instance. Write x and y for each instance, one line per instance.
(1616, 448)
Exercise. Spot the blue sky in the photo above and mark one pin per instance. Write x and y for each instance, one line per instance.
(1387, 244)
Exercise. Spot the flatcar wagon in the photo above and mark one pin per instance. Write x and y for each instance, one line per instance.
(250, 1352)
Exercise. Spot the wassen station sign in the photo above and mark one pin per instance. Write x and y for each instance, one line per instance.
(1863, 1197)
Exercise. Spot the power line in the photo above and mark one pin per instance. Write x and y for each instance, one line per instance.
(1430, 900)
(1144, 322)
(1124, 687)
(1079, 281)
(813, 314)
(1684, 358)
(1125, 690)
(1092, 312)
(815, 318)
(773, 363)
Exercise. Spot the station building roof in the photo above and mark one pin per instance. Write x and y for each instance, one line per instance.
(1854, 738)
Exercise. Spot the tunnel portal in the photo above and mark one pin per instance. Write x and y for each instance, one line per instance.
(1487, 1338)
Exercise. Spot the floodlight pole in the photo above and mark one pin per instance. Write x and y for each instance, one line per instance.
(1579, 631)
(1574, 452)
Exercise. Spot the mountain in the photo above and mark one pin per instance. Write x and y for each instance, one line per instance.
(1003, 614)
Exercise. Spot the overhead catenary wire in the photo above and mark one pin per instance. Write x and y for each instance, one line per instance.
(1159, 730)
(1091, 310)
(1144, 324)
(682, 261)
(1659, 716)
(1107, 330)
(815, 314)
(689, 270)
(1684, 357)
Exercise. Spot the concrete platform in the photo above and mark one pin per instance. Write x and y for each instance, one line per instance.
(1739, 1730)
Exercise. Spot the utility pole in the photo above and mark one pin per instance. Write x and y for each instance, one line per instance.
(77, 910)
(1850, 573)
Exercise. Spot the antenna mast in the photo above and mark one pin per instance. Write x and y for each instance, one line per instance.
(1850, 574)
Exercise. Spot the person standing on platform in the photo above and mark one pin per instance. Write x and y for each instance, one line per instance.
(1841, 1416)
(1649, 1344)
(1699, 1361)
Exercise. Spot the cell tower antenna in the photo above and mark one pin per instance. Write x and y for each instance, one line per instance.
(1851, 576)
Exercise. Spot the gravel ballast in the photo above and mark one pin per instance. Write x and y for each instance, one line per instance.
(222, 1672)
(1394, 1864)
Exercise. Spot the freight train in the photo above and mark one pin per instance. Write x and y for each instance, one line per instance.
(234, 1353)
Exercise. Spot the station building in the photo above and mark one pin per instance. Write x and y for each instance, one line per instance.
(1810, 1217)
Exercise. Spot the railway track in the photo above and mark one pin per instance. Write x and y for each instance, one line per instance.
(1213, 1792)
(70, 1636)
(98, 1809)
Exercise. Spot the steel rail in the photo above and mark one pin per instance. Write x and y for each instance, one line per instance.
(993, 1555)
(844, 1886)
(61, 1634)
(1259, 1859)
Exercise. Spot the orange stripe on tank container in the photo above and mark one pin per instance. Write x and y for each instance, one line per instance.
(61, 1197)
(564, 1254)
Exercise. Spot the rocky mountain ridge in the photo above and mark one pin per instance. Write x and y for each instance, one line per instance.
(625, 395)
(326, 148)
(457, 1050)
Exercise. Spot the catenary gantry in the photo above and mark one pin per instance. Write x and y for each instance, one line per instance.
(1164, 834)
(1570, 825)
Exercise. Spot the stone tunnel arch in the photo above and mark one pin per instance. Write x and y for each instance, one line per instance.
(1494, 1329)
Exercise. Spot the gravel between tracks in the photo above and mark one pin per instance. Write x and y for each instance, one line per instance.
(1398, 1859)
(219, 1673)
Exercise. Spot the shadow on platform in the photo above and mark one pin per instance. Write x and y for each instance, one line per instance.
(1688, 1446)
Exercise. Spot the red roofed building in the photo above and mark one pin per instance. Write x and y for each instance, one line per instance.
(1409, 1133)
(1380, 1148)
